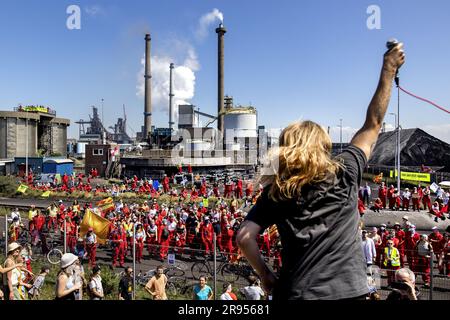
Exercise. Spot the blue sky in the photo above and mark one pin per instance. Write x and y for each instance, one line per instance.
(290, 59)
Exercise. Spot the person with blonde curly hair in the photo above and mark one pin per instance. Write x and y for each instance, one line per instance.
(312, 199)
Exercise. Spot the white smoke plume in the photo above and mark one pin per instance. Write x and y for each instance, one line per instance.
(183, 81)
(205, 21)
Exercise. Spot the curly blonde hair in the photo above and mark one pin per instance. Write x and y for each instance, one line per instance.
(303, 157)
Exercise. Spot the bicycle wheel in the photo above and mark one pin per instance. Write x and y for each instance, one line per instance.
(54, 256)
(174, 272)
(230, 273)
(172, 289)
(200, 269)
(182, 265)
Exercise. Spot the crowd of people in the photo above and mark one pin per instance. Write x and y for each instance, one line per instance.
(417, 199)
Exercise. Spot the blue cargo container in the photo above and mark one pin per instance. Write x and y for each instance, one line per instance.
(61, 166)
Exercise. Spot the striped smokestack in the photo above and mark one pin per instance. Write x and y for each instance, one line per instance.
(148, 90)
(220, 75)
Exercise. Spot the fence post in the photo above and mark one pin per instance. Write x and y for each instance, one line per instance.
(6, 234)
(134, 261)
(431, 274)
(215, 265)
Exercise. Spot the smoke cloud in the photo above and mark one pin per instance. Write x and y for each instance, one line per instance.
(205, 21)
(183, 80)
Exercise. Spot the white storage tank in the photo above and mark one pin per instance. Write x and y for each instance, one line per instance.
(198, 145)
(81, 148)
(240, 123)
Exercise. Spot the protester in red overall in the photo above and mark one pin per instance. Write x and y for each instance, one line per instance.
(164, 238)
(264, 244)
(377, 205)
(415, 196)
(239, 189)
(426, 199)
(361, 207)
(411, 239)
(180, 237)
(384, 234)
(30, 178)
(445, 255)
(423, 249)
(227, 190)
(227, 238)
(216, 191)
(191, 229)
(152, 238)
(140, 239)
(400, 235)
(118, 242)
(90, 241)
(435, 238)
(406, 197)
(207, 234)
(390, 197)
(165, 184)
(382, 194)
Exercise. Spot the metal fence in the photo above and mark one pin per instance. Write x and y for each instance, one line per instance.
(185, 264)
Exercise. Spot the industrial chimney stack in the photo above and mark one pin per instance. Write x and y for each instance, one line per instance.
(171, 95)
(220, 108)
(148, 91)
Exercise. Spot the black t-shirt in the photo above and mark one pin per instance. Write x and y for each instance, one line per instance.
(126, 288)
(321, 256)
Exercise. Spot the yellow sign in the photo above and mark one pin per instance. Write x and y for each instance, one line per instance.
(46, 194)
(412, 176)
(36, 109)
(22, 188)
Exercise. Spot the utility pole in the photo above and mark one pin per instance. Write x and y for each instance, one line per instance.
(340, 139)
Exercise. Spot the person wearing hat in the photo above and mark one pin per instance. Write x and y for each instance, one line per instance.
(9, 266)
(426, 198)
(411, 239)
(383, 236)
(391, 260)
(66, 284)
(415, 196)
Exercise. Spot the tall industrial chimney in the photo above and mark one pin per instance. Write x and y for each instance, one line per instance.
(220, 107)
(148, 91)
(171, 95)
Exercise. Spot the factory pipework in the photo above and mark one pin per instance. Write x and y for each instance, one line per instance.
(148, 90)
(220, 77)
(171, 95)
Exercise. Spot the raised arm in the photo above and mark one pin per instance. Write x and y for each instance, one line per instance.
(367, 136)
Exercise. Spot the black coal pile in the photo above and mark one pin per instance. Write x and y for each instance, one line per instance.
(417, 148)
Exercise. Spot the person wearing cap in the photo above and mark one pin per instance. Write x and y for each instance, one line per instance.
(411, 239)
(95, 285)
(436, 240)
(10, 265)
(406, 197)
(391, 260)
(90, 240)
(66, 284)
(426, 198)
(383, 233)
(415, 196)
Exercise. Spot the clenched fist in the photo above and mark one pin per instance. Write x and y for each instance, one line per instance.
(394, 59)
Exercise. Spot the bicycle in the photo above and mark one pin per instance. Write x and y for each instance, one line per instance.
(227, 270)
(54, 255)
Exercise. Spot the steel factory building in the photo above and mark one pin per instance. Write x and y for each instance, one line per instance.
(35, 128)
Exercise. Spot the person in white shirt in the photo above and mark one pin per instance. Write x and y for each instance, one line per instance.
(16, 213)
(254, 290)
(368, 247)
(95, 285)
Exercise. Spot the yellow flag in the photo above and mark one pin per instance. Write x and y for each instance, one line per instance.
(46, 194)
(22, 188)
(96, 222)
(205, 203)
